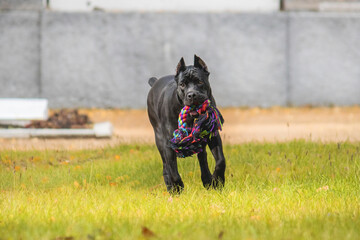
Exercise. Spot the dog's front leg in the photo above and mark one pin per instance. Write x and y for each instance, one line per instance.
(171, 161)
(218, 177)
(206, 177)
(172, 178)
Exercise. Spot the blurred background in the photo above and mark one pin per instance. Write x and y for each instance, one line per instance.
(261, 53)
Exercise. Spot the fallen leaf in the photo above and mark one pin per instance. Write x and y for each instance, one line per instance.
(147, 233)
(255, 217)
(90, 237)
(121, 178)
(221, 235)
(76, 184)
(35, 159)
(77, 167)
(64, 238)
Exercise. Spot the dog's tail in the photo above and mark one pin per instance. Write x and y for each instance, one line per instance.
(152, 81)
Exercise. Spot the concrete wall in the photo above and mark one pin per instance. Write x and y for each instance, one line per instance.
(321, 5)
(111, 59)
(20, 54)
(103, 59)
(34, 5)
(324, 59)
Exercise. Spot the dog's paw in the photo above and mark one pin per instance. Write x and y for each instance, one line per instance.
(207, 182)
(218, 182)
(175, 188)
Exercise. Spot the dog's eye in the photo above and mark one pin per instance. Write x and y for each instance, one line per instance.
(201, 82)
(182, 84)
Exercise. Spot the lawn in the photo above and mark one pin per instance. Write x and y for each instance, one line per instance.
(294, 190)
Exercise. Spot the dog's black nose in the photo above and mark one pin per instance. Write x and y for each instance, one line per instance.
(191, 96)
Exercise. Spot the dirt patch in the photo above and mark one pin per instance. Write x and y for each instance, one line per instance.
(241, 125)
(63, 118)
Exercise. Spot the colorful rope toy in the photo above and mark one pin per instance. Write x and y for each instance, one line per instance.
(187, 141)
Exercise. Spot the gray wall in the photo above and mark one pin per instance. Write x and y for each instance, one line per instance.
(34, 5)
(104, 59)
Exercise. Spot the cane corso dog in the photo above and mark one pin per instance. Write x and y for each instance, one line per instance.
(167, 96)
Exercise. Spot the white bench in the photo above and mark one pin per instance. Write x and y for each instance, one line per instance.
(20, 112)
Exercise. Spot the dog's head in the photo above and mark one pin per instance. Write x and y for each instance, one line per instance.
(193, 85)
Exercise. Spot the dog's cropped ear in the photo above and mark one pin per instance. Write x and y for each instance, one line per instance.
(180, 67)
(199, 63)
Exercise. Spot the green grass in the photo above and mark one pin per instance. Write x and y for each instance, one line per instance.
(295, 190)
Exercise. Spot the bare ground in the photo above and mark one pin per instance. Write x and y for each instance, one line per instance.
(241, 125)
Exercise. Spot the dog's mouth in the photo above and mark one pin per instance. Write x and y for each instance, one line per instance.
(194, 114)
(196, 102)
(192, 103)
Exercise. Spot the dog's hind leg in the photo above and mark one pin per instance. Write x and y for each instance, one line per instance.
(218, 177)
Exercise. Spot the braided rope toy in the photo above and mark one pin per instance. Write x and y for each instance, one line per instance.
(187, 141)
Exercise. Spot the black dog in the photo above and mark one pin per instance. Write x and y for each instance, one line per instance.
(168, 95)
